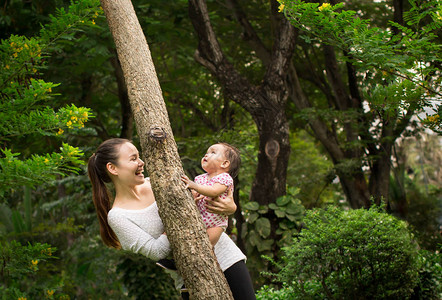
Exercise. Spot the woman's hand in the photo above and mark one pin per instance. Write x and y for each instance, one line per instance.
(225, 206)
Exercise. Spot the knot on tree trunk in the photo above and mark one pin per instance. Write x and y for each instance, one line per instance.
(157, 134)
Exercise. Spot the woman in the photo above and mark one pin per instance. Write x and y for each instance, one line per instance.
(133, 223)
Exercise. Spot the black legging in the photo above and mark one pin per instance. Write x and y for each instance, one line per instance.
(239, 281)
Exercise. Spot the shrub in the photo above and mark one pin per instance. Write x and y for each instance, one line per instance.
(356, 254)
(430, 277)
(144, 280)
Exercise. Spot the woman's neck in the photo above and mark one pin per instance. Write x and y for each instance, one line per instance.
(133, 197)
(126, 194)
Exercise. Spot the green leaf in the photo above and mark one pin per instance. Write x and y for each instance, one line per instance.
(265, 245)
(263, 227)
(280, 213)
(252, 218)
(283, 200)
(273, 206)
(251, 205)
(253, 238)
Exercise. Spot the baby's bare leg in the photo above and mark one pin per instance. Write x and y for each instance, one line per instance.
(214, 234)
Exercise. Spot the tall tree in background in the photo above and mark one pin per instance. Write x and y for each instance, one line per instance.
(191, 248)
(265, 102)
(356, 101)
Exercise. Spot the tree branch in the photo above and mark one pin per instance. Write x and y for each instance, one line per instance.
(249, 33)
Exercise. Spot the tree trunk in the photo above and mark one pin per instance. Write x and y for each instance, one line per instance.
(185, 229)
(127, 120)
(265, 103)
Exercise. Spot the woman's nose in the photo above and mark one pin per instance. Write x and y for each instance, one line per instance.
(141, 162)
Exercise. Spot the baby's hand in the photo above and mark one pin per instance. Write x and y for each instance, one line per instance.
(187, 181)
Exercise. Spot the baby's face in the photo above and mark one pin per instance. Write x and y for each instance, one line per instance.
(214, 158)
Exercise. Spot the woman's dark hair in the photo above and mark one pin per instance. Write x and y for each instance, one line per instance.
(107, 152)
(232, 155)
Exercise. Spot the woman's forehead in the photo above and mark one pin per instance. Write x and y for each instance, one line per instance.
(128, 149)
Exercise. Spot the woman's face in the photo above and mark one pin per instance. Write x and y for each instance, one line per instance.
(130, 167)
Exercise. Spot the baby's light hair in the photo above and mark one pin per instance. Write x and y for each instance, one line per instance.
(232, 155)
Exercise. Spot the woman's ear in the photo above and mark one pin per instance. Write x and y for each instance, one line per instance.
(111, 168)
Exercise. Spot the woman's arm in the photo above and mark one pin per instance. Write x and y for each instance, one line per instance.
(134, 239)
(225, 206)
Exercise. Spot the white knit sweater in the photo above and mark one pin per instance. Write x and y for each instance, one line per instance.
(141, 231)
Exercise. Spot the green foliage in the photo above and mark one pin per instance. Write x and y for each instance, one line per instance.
(286, 213)
(142, 277)
(18, 261)
(46, 166)
(430, 276)
(356, 254)
(406, 63)
(27, 101)
(311, 171)
(257, 228)
(269, 293)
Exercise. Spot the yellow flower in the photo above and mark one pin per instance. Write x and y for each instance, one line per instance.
(46, 160)
(384, 73)
(93, 22)
(324, 6)
(433, 118)
(69, 124)
(22, 298)
(7, 67)
(34, 262)
(34, 70)
(15, 54)
(50, 292)
(74, 118)
(281, 8)
(49, 90)
(35, 95)
(60, 131)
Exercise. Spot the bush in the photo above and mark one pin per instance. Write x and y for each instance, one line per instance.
(430, 277)
(145, 280)
(356, 254)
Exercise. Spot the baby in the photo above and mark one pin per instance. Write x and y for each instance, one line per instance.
(221, 163)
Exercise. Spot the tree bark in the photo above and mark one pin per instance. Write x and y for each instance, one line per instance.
(185, 229)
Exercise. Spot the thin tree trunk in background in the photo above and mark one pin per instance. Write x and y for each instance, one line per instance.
(127, 119)
(185, 229)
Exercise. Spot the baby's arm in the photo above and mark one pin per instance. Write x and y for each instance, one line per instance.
(214, 234)
(210, 191)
